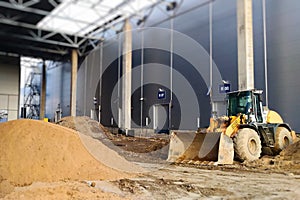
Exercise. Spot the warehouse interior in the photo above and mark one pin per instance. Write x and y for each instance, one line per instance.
(146, 70)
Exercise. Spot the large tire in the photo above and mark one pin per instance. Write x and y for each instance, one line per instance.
(247, 145)
(283, 138)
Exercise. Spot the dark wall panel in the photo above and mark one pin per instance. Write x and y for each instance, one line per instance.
(283, 39)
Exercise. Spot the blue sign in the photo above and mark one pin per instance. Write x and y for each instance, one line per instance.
(161, 94)
(224, 88)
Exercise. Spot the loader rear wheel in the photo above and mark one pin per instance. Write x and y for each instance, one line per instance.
(283, 138)
(247, 145)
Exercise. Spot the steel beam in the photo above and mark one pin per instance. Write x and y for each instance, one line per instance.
(23, 8)
(46, 50)
(39, 39)
(30, 26)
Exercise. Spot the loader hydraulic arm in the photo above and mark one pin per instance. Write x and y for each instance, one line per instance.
(233, 127)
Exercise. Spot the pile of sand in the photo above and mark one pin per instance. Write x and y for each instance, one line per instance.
(33, 150)
(289, 158)
(97, 142)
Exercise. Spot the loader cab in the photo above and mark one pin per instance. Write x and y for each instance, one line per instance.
(245, 102)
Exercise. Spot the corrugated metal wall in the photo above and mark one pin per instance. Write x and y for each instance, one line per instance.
(283, 39)
(58, 89)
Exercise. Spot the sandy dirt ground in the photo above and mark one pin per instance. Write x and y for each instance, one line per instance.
(175, 182)
(276, 177)
(68, 190)
(172, 182)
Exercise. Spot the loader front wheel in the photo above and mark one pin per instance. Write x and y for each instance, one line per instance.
(283, 138)
(247, 145)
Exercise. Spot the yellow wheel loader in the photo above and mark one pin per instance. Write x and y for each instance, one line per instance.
(246, 132)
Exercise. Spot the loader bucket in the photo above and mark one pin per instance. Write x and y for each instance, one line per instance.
(189, 145)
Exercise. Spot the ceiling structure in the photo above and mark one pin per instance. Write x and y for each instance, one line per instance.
(51, 28)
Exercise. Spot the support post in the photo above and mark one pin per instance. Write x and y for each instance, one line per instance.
(245, 45)
(126, 82)
(74, 82)
(43, 93)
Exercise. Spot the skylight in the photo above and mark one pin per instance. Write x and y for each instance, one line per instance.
(80, 17)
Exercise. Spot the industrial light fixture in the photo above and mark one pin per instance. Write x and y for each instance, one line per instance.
(119, 31)
(142, 20)
(171, 6)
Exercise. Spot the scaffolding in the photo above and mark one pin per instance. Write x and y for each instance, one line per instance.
(32, 95)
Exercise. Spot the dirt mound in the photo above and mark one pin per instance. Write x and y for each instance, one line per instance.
(139, 145)
(292, 152)
(32, 150)
(288, 161)
(136, 149)
(90, 127)
(83, 124)
(96, 141)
